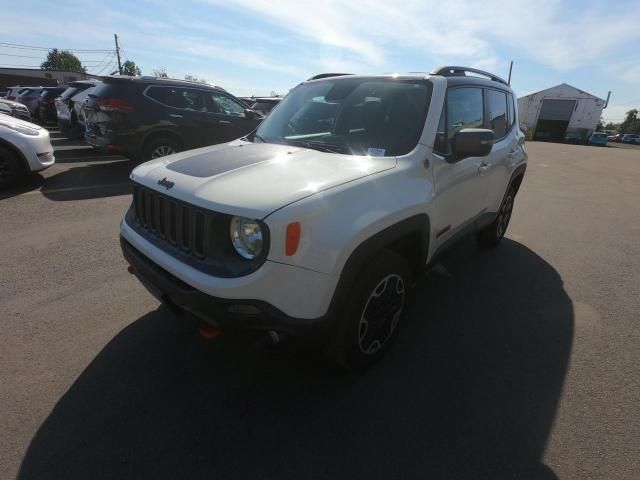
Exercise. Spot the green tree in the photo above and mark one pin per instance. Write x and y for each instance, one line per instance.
(130, 68)
(631, 123)
(191, 78)
(62, 60)
(160, 72)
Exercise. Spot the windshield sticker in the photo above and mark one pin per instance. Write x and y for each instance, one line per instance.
(375, 152)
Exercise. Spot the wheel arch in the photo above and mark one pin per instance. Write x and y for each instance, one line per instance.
(23, 160)
(409, 237)
(517, 176)
(160, 133)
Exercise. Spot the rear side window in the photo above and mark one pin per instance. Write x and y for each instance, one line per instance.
(69, 92)
(497, 111)
(179, 97)
(512, 110)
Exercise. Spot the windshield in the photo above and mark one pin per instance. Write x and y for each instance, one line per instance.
(356, 116)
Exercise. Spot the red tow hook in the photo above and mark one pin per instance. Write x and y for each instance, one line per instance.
(208, 332)
(131, 270)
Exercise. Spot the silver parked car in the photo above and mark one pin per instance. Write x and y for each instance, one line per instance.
(14, 109)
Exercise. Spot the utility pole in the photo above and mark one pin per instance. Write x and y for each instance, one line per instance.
(115, 35)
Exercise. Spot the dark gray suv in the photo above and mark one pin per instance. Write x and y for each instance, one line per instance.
(148, 117)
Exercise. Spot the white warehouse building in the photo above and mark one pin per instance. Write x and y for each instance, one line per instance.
(561, 112)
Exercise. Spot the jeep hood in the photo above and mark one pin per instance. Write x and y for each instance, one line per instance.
(253, 179)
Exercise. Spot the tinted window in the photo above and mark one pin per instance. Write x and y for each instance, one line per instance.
(497, 110)
(351, 115)
(220, 103)
(263, 106)
(464, 109)
(179, 97)
(512, 111)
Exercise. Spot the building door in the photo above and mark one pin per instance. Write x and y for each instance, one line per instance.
(554, 118)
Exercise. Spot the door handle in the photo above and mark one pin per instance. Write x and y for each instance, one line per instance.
(175, 115)
(224, 122)
(483, 167)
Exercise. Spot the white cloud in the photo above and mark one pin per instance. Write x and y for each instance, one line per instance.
(554, 33)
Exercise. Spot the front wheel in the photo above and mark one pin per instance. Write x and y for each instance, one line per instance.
(11, 168)
(374, 308)
(491, 235)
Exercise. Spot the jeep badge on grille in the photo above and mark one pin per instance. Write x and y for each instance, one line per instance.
(166, 183)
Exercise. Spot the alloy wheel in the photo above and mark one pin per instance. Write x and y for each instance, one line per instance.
(162, 151)
(381, 314)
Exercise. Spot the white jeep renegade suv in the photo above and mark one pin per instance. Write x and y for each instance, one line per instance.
(316, 224)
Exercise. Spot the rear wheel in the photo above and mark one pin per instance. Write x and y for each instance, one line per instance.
(491, 235)
(368, 324)
(11, 168)
(160, 147)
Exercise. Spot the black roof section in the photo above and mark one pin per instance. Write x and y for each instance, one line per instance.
(451, 71)
(327, 75)
(158, 81)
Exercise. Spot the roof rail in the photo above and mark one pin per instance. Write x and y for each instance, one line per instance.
(450, 71)
(327, 75)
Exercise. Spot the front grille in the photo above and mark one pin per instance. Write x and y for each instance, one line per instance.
(179, 224)
(195, 236)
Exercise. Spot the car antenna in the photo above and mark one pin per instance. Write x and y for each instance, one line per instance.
(510, 68)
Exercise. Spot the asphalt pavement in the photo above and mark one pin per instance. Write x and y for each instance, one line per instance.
(521, 362)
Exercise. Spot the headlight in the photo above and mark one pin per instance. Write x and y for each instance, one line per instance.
(246, 236)
(20, 128)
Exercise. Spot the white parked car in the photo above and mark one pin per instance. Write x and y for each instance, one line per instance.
(317, 224)
(24, 147)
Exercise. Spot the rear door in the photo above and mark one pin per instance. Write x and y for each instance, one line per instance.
(500, 112)
(186, 113)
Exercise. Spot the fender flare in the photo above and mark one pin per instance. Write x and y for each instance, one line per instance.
(519, 171)
(159, 131)
(418, 225)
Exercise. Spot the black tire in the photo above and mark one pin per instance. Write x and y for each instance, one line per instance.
(156, 145)
(11, 168)
(491, 235)
(357, 341)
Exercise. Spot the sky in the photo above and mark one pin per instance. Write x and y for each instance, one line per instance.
(258, 47)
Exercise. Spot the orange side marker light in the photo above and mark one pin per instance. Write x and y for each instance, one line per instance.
(293, 238)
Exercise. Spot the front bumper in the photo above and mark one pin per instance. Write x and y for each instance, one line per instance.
(224, 313)
(36, 149)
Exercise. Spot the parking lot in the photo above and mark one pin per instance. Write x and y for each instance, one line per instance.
(521, 362)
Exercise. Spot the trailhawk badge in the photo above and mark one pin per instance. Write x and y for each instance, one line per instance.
(166, 183)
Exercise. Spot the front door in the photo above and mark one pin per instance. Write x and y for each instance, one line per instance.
(460, 186)
(230, 117)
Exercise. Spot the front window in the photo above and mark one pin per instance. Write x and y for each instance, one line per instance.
(356, 116)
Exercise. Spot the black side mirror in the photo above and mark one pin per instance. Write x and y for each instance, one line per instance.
(472, 142)
(250, 114)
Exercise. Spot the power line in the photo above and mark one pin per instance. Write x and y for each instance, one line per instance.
(21, 56)
(31, 47)
(109, 63)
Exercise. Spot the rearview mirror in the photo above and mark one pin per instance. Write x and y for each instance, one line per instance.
(250, 114)
(472, 142)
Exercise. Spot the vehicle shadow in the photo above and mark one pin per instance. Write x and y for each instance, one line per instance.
(470, 390)
(93, 180)
(30, 183)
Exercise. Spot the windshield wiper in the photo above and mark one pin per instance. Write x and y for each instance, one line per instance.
(255, 135)
(320, 146)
